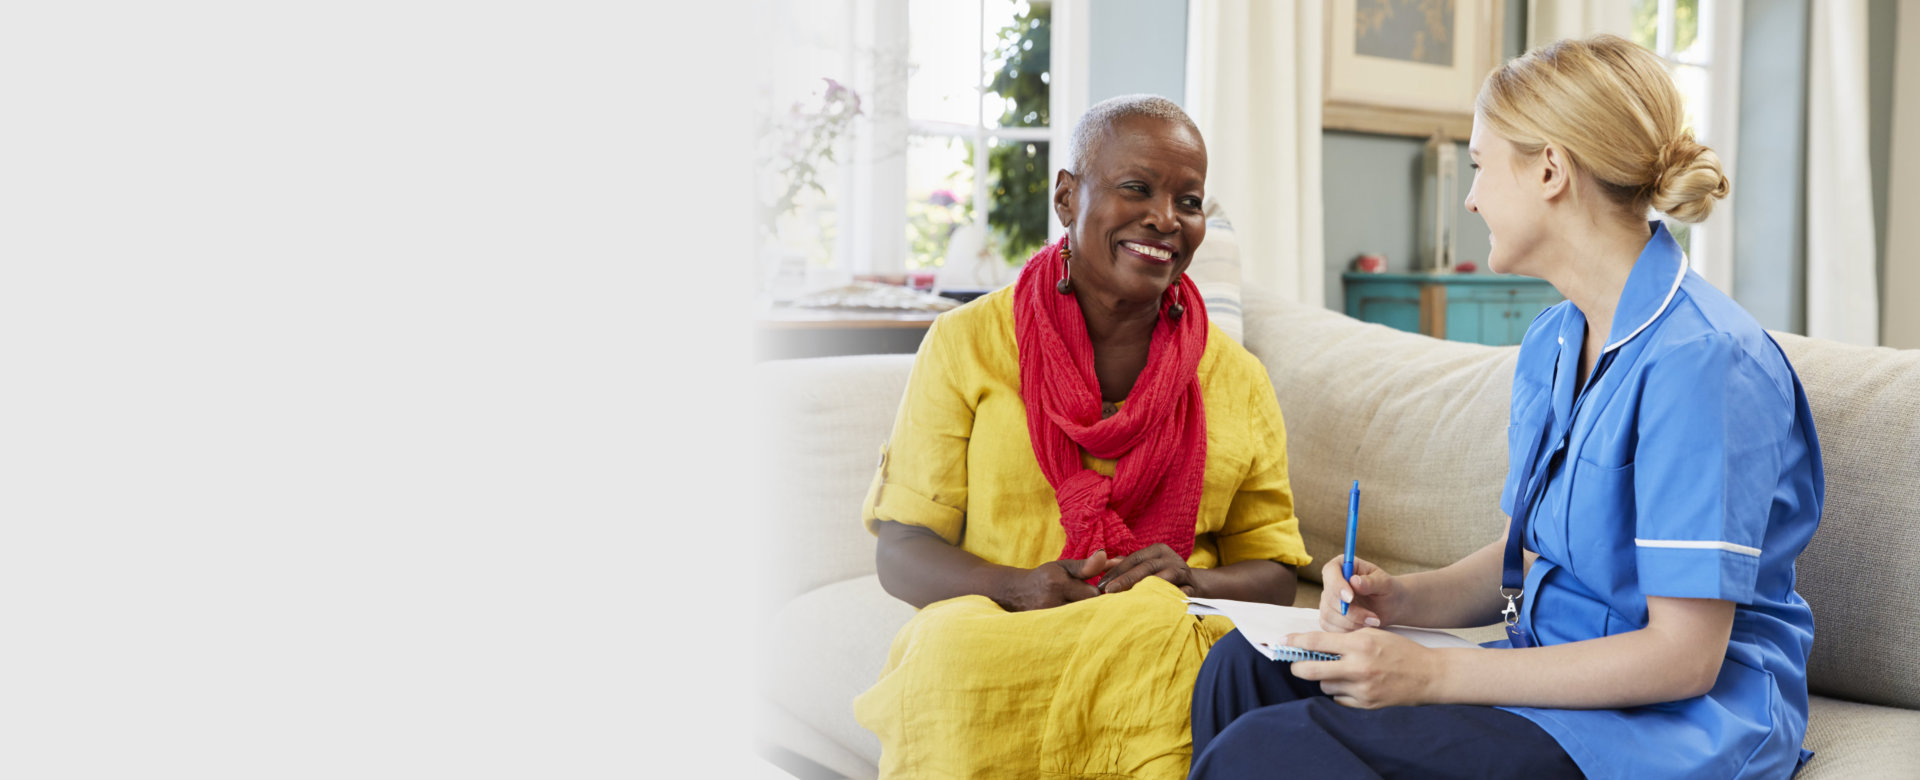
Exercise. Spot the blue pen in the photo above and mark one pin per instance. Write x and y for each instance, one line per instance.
(1353, 526)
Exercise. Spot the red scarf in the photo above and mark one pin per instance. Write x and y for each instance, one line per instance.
(1159, 437)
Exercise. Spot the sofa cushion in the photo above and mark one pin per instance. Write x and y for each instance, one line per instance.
(1860, 741)
(832, 643)
(821, 424)
(1858, 572)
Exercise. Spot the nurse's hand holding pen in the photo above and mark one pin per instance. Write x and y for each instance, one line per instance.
(1376, 668)
(1375, 597)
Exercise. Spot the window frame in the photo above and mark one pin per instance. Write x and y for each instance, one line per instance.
(876, 209)
(1712, 242)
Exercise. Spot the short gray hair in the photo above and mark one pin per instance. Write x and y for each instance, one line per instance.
(1105, 114)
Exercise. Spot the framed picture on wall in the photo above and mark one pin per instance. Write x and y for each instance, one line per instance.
(1407, 67)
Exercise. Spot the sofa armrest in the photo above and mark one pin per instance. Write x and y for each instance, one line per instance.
(820, 424)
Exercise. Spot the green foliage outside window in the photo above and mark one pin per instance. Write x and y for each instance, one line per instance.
(1646, 23)
(1017, 171)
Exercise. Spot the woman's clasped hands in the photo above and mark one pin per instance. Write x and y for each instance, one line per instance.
(1376, 668)
(1055, 583)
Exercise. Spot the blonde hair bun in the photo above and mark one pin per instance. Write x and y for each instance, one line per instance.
(1611, 106)
(1687, 180)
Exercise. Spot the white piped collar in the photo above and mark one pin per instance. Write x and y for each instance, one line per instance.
(1656, 276)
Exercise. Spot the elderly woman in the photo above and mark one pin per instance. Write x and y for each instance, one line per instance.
(1663, 475)
(1074, 455)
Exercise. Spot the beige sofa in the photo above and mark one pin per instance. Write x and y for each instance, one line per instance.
(1421, 423)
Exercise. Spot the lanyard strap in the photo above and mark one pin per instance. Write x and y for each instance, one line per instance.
(1513, 572)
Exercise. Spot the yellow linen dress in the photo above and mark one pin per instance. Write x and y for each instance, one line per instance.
(1099, 688)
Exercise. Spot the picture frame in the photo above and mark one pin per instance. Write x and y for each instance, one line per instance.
(1385, 75)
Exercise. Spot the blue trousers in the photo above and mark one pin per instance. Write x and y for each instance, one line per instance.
(1253, 718)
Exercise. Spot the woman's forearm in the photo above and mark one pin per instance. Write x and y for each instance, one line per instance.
(918, 567)
(1268, 581)
(1677, 656)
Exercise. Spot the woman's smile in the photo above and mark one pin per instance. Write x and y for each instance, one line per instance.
(1151, 251)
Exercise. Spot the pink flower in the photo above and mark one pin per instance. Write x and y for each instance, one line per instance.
(942, 198)
(840, 93)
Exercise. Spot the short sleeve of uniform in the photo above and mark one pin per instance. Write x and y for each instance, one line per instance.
(921, 478)
(1260, 523)
(1711, 435)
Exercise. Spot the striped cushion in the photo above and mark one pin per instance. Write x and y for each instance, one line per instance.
(1216, 272)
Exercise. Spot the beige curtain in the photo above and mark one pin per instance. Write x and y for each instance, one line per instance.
(1253, 86)
(1901, 326)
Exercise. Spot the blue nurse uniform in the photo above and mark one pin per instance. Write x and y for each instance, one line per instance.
(1688, 467)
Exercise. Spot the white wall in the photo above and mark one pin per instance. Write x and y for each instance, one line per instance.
(1900, 300)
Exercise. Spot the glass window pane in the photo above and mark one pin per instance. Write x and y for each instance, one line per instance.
(801, 183)
(1646, 24)
(939, 196)
(1692, 82)
(813, 43)
(1686, 31)
(1019, 47)
(943, 61)
(1019, 191)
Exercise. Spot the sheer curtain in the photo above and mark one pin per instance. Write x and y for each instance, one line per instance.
(1552, 20)
(1843, 302)
(1253, 87)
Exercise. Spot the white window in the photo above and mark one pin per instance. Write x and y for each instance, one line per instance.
(960, 119)
(1700, 42)
(979, 79)
(811, 114)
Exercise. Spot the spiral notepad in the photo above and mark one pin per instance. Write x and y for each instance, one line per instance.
(1284, 653)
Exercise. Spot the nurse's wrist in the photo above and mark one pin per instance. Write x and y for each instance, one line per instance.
(1448, 671)
(1399, 606)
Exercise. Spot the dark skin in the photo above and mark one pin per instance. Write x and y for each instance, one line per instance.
(1133, 218)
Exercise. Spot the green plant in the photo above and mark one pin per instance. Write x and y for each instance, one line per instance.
(1018, 179)
(795, 147)
(1646, 23)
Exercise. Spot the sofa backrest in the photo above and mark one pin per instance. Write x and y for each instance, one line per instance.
(1422, 424)
(1861, 572)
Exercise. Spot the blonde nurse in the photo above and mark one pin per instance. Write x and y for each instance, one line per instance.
(1663, 475)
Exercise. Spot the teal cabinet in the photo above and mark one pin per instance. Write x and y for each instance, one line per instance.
(1481, 308)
